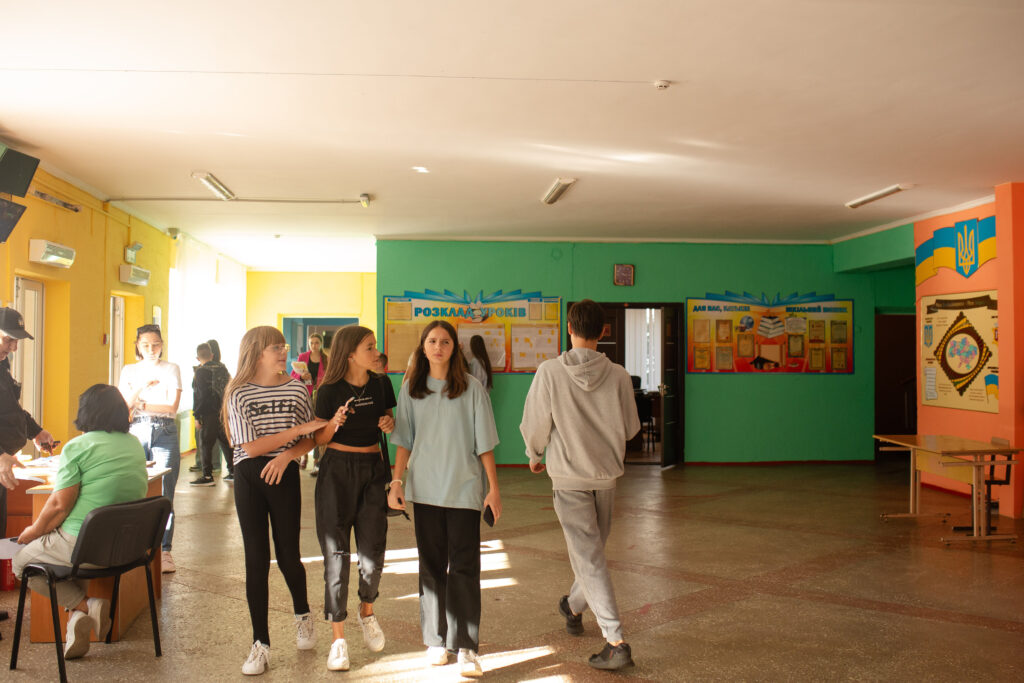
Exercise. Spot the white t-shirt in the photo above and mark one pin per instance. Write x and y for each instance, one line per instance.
(142, 373)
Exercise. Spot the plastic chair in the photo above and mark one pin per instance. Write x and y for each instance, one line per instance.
(115, 538)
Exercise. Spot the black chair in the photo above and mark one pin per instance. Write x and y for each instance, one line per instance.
(115, 538)
(645, 410)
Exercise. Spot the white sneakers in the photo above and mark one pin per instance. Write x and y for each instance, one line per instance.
(469, 665)
(258, 661)
(305, 639)
(437, 656)
(99, 612)
(337, 660)
(373, 636)
(305, 635)
(77, 642)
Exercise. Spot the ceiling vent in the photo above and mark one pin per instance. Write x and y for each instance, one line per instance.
(50, 253)
(133, 275)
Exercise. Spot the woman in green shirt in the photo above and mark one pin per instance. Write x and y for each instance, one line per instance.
(103, 466)
(446, 436)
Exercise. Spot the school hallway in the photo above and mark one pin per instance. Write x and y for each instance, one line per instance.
(722, 573)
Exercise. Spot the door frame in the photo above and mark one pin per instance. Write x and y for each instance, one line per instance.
(679, 457)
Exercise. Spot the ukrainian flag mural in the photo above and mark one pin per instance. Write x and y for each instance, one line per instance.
(963, 247)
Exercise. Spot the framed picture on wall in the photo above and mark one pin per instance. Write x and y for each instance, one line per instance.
(838, 359)
(816, 331)
(816, 358)
(702, 331)
(723, 331)
(623, 274)
(745, 345)
(702, 358)
(796, 346)
(723, 358)
(838, 331)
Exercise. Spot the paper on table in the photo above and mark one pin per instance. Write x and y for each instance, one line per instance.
(9, 547)
(21, 473)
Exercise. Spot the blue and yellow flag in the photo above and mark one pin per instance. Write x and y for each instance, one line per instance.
(964, 247)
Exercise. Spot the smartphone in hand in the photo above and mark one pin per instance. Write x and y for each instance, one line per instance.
(488, 515)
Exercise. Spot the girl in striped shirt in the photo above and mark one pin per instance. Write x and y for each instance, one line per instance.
(269, 418)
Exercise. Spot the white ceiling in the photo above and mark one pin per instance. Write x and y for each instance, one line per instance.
(779, 112)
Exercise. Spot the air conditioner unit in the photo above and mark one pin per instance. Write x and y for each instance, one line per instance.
(50, 253)
(133, 275)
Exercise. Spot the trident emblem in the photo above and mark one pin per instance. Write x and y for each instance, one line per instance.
(966, 249)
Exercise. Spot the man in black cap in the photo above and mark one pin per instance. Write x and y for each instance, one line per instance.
(16, 425)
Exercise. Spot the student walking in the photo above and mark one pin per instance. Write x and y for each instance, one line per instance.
(268, 415)
(152, 389)
(351, 487)
(208, 384)
(580, 408)
(480, 362)
(446, 436)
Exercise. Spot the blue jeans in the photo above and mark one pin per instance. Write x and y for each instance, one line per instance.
(160, 441)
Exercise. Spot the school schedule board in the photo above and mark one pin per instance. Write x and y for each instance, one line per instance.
(734, 333)
(960, 351)
(520, 329)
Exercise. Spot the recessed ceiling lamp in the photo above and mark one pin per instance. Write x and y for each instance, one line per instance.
(213, 185)
(875, 196)
(557, 190)
(421, 169)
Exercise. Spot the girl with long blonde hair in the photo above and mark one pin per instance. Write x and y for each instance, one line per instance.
(269, 418)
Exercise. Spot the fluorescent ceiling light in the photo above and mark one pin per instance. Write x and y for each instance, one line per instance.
(421, 169)
(213, 185)
(875, 196)
(557, 190)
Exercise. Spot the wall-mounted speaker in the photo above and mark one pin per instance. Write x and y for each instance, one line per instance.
(10, 214)
(16, 171)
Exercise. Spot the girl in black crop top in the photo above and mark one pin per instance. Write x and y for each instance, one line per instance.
(350, 487)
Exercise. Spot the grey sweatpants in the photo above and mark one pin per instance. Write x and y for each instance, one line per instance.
(586, 519)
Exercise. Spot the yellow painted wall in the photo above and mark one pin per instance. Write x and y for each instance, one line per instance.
(271, 296)
(77, 298)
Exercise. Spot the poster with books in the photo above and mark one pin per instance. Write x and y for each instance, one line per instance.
(960, 351)
(810, 333)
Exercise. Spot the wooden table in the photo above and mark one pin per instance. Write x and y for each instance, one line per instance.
(133, 593)
(961, 459)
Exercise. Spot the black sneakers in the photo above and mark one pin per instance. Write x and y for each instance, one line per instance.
(203, 481)
(573, 622)
(612, 657)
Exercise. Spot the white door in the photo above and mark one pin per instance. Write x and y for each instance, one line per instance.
(27, 362)
(116, 338)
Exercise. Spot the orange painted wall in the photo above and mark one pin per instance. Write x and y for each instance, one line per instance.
(996, 274)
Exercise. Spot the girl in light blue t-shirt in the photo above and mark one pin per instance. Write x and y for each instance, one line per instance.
(446, 436)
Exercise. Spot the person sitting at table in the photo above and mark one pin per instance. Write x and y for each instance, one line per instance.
(103, 466)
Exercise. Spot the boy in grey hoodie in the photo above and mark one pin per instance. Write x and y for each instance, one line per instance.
(581, 409)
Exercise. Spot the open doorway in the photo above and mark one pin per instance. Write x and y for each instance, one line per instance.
(298, 328)
(644, 338)
(895, 379)
(27, 363)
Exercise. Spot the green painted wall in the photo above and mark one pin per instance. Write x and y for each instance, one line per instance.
(887, 249)
(734, 418)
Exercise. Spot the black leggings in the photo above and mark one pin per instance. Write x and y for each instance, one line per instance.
(258, 503)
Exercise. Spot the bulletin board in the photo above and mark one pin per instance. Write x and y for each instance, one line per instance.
(733, 333)
(520, 329)
(960, 351)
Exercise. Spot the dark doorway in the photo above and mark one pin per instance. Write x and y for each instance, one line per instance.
(660, 441)
(895, 378)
